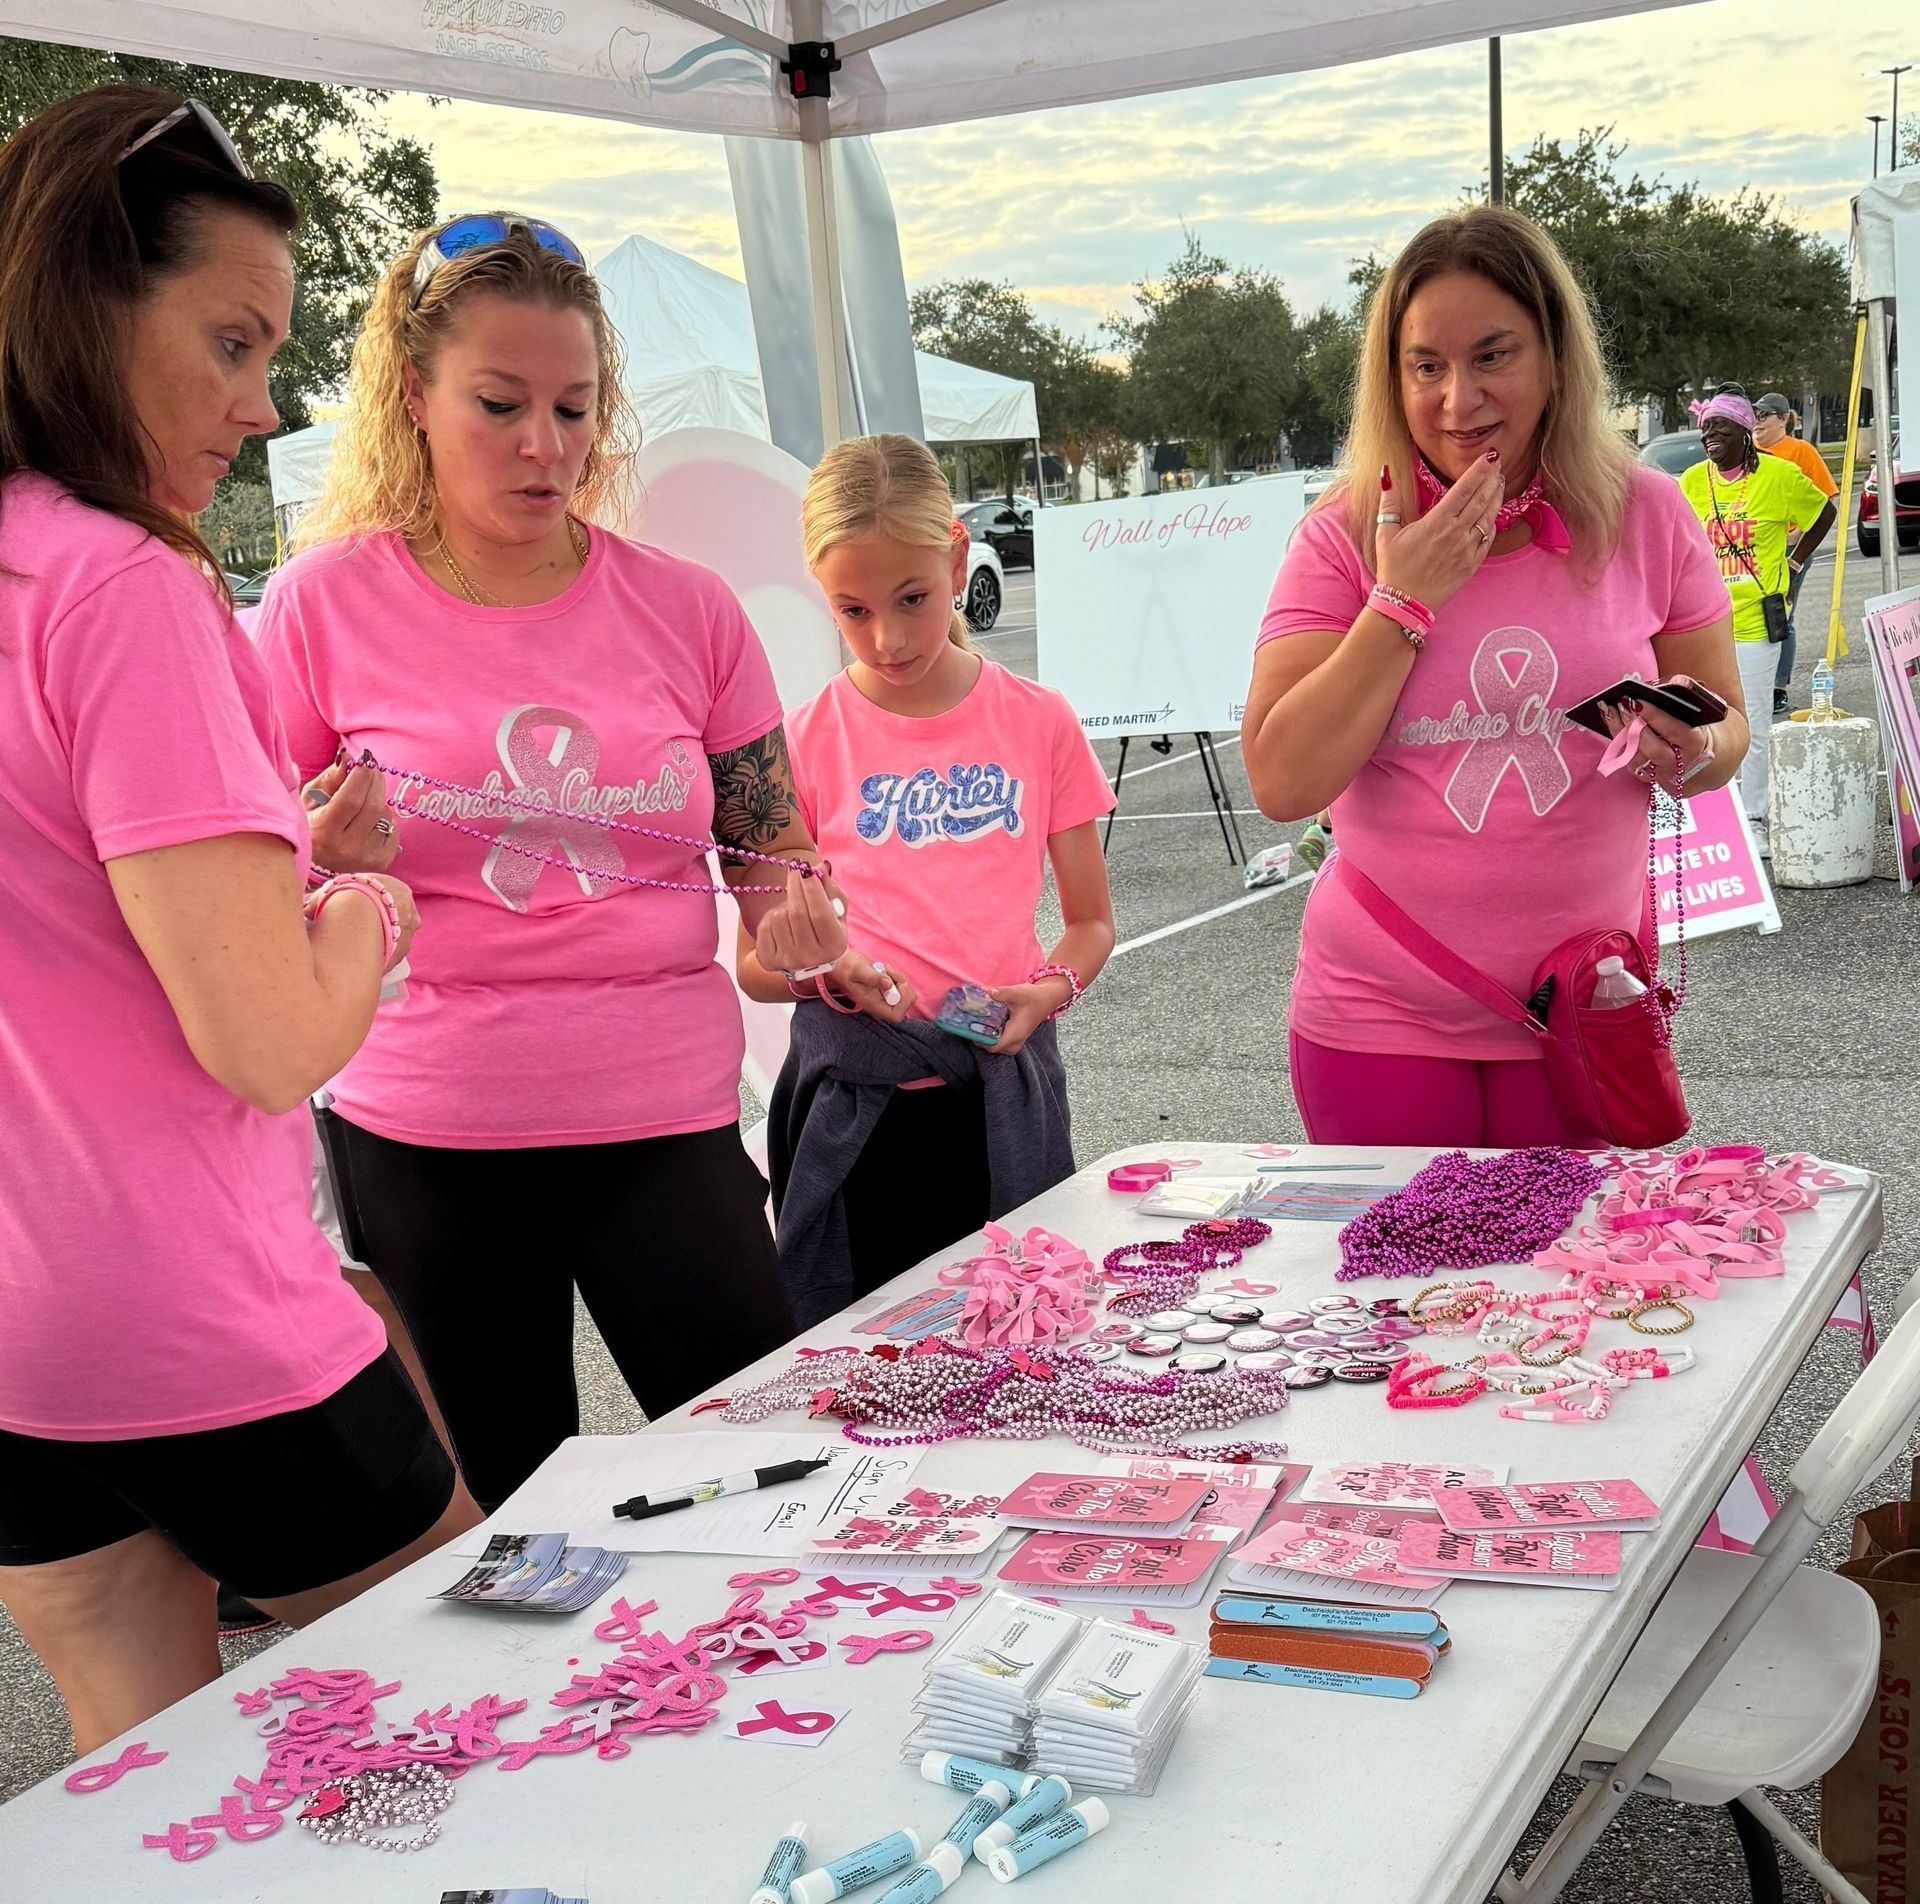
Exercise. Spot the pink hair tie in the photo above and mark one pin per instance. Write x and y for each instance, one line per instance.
(1136, 1177)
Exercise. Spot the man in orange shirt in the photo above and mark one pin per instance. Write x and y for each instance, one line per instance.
(1771, 416)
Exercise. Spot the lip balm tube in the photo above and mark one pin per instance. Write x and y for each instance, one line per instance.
(988, 1803)
(1042, 1802)
(1047, 1840)
(959, 1774)
(928, 1878)
(789, 1856)
(881, 1859)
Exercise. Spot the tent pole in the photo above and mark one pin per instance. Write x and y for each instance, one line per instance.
(838, 417)
(1496, 140)
(1883, 441)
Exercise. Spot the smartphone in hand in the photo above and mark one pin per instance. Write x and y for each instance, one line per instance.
(1684, 700)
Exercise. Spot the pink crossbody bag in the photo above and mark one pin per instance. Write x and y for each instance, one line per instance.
(1611, 1070)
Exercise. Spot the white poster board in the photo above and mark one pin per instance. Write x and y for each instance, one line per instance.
(1712, 855)
(1147, 608)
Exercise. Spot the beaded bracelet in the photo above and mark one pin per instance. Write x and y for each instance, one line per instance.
(1059, 971)
(370, 888)
(1410, 615)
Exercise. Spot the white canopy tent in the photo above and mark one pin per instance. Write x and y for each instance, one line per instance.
(692, 364)
(790, 69)
(1886, 265)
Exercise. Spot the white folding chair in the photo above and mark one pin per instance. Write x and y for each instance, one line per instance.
(1756, 1669)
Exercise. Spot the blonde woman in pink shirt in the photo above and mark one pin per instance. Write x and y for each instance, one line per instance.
(1493, 558)
(558, 715)
(183, 1373)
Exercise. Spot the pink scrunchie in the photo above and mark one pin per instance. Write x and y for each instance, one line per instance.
(1030, 1289)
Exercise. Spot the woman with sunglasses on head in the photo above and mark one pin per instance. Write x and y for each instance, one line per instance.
(181, 1366)
(557, 717)
(1492, 559)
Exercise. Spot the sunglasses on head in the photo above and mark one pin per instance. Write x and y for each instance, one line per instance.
(205, 124)
(477, 232)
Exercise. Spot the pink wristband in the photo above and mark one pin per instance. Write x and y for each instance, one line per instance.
(1408, 613)
(1066, 972)
(370, 888)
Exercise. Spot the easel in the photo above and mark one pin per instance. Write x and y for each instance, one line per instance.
(1210, 765)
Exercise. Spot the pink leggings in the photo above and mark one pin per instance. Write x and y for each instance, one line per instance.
(1370, 1097)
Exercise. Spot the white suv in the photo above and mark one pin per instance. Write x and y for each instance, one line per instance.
(986, 588)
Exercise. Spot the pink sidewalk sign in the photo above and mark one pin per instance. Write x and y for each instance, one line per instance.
(1713, 854)
(1893, 638)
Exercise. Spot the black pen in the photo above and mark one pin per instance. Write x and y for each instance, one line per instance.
(643, 1506)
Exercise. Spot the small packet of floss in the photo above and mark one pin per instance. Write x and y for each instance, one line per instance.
(1120, 1678)
(1189, 1198)
(1007, 1651)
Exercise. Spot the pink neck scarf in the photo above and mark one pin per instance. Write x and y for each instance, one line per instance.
(1530, 506)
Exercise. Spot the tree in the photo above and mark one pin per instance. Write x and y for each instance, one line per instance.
(360, 188)
(1690, 289)
(1323, 405)
(1214, 356)
(992, 327)
(238, 524)
(1088, 411)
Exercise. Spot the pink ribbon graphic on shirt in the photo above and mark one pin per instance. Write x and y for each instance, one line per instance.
(569, 757)
(1521, 703)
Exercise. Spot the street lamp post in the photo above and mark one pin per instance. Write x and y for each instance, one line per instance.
(1893, 137)
(1876, 120)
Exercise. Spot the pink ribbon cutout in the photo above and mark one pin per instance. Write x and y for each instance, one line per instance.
(897, 1600)
(774, 1717)
(864, 1648)
(1512, 698)
(1141, 1617)
(572, 755)
(96, 1778)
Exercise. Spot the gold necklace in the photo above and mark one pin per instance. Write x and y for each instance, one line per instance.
(485, 598)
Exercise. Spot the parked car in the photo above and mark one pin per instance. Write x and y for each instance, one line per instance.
(1006, 526)
(1906, 509)
(1676, 452)
(986, 587)
(247, 589)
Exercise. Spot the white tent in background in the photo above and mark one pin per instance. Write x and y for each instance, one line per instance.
(691, 364)
(691, 358)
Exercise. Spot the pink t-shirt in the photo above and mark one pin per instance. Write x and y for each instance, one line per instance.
(159, 1271)
(938, 828)
(549, 1003)
(1481, 811)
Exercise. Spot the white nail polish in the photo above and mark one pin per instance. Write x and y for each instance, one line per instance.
(893, 994)
(839, 908)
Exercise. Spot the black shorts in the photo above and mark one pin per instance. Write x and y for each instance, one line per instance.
(267, 1508)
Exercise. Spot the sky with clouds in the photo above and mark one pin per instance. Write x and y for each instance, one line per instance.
(1301, 175)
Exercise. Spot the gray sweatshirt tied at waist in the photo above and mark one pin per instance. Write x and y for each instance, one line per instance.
(840, 1074)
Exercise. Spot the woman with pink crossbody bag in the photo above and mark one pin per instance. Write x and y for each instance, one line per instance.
(1493, 559)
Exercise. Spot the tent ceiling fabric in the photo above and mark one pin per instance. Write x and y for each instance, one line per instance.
(627, 59)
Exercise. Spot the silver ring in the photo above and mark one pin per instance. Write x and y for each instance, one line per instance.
(1386, 515)
(384, 827)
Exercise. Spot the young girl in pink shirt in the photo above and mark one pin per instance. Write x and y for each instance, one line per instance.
(941, 787)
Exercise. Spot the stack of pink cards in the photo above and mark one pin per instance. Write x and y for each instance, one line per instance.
(1120, 1568)
(1162, 1505)
(1590, 1560)
(910, 1543)
(1242, 1490)
(1415, 1484)
(1532, 1507)
(1353, 1555)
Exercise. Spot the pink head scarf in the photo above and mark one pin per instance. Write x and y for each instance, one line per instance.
(1729, 404)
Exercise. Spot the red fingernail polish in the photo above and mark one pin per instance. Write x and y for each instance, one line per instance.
(1386, 476)
(1493, 456)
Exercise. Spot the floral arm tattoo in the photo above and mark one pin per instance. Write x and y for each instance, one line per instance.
(753, 800)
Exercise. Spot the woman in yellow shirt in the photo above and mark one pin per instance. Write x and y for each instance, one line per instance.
(1772, 424)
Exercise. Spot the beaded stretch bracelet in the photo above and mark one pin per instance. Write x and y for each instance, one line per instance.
(1059, 971)
(1408, 613)
(370, 888)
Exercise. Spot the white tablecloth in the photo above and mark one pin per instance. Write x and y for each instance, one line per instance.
(1347, 1800)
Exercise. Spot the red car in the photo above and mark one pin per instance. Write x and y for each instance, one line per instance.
(1906, 510)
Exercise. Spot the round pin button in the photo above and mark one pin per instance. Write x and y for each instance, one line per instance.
(1307, 1375)
(1101, 1351)
(1260, 1364)
(1285, 1319)
(1310, 1339)
(1173, 1320)
(1199, 1362)
(1118, 1331)
(1154, 1345)
(1333, 1305)
(1385, 1306)
(1207, 1331)
(1389, 1357)
(1345, 1322)
(1359, 1371)
(1238, 1313)
(1243, 1340)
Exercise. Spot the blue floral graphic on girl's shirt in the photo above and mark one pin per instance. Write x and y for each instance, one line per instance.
(968, 804)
